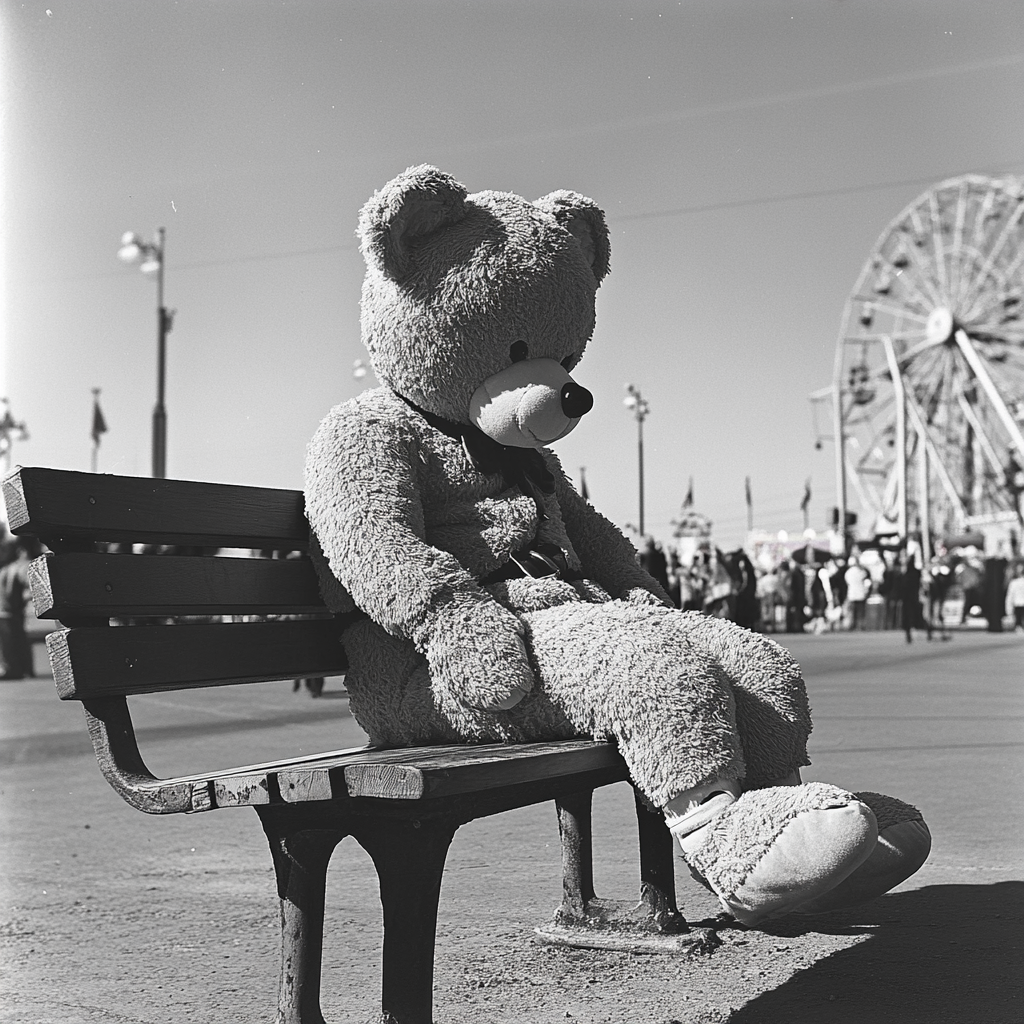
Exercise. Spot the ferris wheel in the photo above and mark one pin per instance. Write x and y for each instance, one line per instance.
(928, 390)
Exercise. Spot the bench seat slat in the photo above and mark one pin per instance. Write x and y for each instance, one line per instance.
(75, 584)
(90, 662)
(453, 770)
(52, 504)
(409, 773)
(418, 773)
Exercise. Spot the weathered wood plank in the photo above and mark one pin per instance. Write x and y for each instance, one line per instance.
(242, 791)
(428, 772)
(76, 584)
(90, 662)
(301, 785)
(413, 773)
(54, 504)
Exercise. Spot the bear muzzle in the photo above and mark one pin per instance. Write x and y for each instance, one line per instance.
(530, 404)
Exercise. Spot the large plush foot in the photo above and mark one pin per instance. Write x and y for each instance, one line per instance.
(902, 847)
(772, 850)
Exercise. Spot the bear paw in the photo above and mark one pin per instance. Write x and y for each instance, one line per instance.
(903, 845)
(773, 850)
(493, 674)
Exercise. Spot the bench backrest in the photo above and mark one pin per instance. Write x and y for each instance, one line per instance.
(131, 618)
(142, 622)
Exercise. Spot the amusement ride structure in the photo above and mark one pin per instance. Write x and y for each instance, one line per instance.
(927, 398)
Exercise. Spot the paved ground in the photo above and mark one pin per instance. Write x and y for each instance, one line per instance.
(109, 915)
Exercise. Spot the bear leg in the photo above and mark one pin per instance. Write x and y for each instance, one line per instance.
(629, 673)
(772, 712)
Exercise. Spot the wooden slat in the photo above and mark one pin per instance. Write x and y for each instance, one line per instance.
(55, 504)
(74, 584)
(453, 770)
(90, 662)
(417, 773)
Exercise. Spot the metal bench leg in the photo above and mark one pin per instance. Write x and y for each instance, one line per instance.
(657, 869)
(409, 857)
(301, 857)
(574, 830)
(653, 925)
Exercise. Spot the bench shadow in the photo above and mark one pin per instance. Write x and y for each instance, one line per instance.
(942, 953)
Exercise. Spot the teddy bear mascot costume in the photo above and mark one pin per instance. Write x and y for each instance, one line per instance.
(500, 606)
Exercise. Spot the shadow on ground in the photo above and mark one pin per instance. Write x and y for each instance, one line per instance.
(944, 953)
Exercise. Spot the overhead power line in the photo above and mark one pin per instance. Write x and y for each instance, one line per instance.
(651, 214)
(764, 200)
(748, 103)
(794, 196)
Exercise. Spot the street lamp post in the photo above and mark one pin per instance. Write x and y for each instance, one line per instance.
(151, 255)
(637, 404)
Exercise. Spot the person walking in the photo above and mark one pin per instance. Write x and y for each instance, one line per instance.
(796, 603)
(857, 585)
(910, 591)
(15, 648)
(1015, 599)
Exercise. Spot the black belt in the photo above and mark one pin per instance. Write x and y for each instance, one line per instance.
(538, 561)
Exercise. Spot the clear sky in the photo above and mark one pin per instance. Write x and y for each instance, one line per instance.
(747, 154)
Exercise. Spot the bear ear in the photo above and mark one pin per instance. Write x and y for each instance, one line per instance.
(584, 220)
(408, 208)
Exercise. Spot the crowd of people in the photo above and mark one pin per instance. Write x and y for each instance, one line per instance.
(811, 590)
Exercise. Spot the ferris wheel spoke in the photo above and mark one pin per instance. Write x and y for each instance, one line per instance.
(935, 456)
(926, 378)
(996, 250)
(894, 311)
(984, 213)
(1015, 264)
(923, 273)
(958, 236)
(905, 286)
(878, 337)
(980, 432)
(940, 248)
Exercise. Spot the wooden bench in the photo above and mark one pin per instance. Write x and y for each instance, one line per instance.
(138, 622)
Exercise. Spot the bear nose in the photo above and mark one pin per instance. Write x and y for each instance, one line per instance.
(576, 400)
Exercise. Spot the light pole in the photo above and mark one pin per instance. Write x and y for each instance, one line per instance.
(151, 254)
(637, 404)
(8, 426)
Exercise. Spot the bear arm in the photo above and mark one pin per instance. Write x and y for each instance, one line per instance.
(606, 555)
(365, 510)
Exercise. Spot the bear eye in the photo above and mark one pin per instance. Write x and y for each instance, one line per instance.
(569, 362)
(519, 351)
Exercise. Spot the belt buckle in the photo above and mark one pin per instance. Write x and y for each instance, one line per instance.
(524, 558)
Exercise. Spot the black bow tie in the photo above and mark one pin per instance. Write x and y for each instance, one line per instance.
(519, 467)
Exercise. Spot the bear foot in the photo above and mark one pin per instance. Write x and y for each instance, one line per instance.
(903, 845)
(773, 850)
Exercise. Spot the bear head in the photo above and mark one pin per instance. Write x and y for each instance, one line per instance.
(476, 308)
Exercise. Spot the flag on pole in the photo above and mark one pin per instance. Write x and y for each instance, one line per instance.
(99, 424)
(750, 505)
(688, 500)
(750, 501)
(806, 500)
(584, 493)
